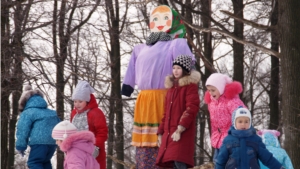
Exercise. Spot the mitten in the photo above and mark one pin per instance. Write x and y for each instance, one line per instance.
(176, 135)
(96, 152)
(159, 140)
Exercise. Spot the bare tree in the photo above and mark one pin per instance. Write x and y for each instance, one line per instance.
(63, 27)
(288, 31)
(275, 114)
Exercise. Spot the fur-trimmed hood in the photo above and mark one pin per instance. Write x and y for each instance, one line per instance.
(194, 77)
(81, 140)
(26, 95)
(231, 90)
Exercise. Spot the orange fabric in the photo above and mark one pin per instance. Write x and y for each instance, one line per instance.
(148, 113)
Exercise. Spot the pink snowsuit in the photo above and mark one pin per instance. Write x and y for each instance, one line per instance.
(79, 148)
(221, 110)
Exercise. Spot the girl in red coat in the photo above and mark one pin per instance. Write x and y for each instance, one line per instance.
(222, 97)
(87, 116)
(176, 133)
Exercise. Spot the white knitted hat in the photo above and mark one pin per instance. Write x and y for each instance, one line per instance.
(82, 91)
(63, 130)
(241, 112)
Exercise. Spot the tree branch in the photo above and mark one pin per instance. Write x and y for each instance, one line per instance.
(207, 64)
(248, 22)
(230, 35)
(87, 18)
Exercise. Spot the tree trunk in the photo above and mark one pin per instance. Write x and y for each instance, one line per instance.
(289, 36)
(238, 48)
(207, 42)
(5, 78)
(16, 80)
(116, 90)
(111, 134)
(4, 127)
(60, 68)
(274, 81)
(115, 106)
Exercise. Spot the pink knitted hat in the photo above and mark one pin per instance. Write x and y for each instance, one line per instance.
(63, 130)
(219, 81)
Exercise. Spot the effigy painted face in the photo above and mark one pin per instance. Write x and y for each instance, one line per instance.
(161, 19)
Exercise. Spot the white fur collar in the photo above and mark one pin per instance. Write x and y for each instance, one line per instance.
(194, 77)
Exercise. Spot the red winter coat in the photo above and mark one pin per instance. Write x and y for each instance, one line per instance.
(221, 110)
(182, 106)
(97, 125)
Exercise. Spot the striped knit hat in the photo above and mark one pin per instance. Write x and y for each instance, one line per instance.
(63, 130)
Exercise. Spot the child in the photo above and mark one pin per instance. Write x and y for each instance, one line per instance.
(222, 97)
(269, 138)
(34, 128)
(87, 116)
(242, 148)
(176, 133)
(78, 146)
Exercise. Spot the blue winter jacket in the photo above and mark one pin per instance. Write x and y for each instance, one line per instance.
(280, 154)
(35, 124)
(241, 149)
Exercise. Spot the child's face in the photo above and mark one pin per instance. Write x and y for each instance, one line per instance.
(177, 71)
(79, 104)
(58, 142)
(213, 91)
(242, 123)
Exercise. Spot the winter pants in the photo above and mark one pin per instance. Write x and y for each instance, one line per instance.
(40, 156)
(179, 165)
(216, 155)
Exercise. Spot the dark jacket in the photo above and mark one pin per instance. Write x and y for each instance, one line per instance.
(182, 106)
(242, 149)
(97, 125)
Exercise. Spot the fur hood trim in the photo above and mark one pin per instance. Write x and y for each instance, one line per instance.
(27, 93)
(80, 135)
(194, 77)
(231, 90)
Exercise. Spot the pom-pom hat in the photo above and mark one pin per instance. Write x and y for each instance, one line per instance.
(83, 91)
(63, 130)
(184, 61)
(240, 112)
(219, 81)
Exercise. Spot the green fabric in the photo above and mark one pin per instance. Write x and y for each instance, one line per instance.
(177, 29)
(146, 124)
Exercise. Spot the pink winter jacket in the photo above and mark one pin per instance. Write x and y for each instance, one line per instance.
(221, 110)
(79, 148)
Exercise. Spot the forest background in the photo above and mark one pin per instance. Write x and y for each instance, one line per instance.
(51, 44)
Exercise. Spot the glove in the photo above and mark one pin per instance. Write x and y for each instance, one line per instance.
(96, 152)
(21, 152)
(159, 140)
(176, 135)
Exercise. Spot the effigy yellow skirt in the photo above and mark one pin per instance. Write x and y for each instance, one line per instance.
(148, 112)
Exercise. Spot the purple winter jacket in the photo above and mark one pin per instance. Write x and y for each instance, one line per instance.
(79, 148)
